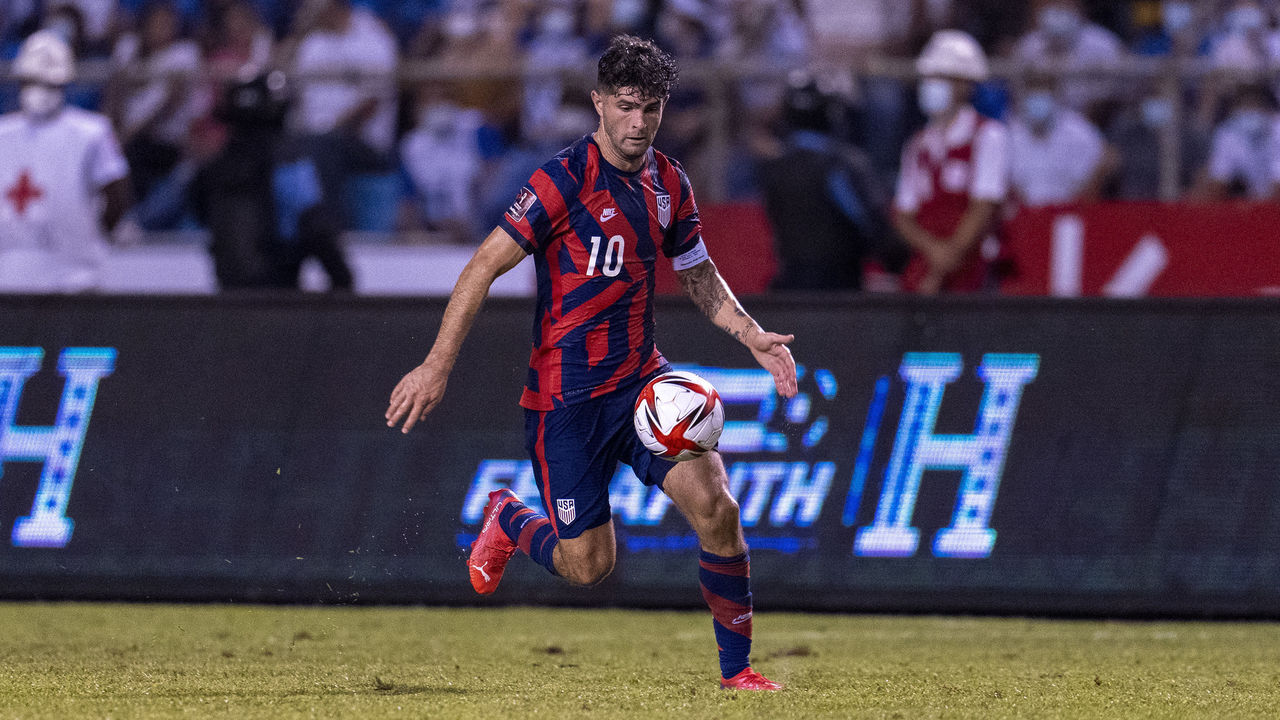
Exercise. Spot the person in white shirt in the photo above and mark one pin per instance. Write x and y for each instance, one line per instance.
(346, 103)
(1244, 156)
(63, 180)
(1064, 40)
(1056, 156)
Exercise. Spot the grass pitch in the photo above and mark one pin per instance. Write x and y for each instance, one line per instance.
(149, 661)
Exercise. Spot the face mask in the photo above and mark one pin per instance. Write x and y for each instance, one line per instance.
(1251, 122)
(40, 100)
(556, 23)
(1177, 16)
(628, 13)
(1156, 112)
(1038, 107)
(1060, 22)
(1245, 19)
(934, 96)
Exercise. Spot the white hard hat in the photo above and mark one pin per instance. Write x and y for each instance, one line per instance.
(45, 58)
(953, 54)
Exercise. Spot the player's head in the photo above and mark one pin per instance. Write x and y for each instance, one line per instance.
(949, 66)
(44, 67)
(633, 81)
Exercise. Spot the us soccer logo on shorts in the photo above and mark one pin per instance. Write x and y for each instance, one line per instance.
(523, 202)
(664, 210)
(565, 510)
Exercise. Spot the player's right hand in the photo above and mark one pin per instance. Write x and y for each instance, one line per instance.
(415, 395)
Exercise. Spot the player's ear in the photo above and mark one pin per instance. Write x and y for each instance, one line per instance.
(597, 99)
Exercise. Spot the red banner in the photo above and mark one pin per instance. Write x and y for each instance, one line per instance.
(1139, 249)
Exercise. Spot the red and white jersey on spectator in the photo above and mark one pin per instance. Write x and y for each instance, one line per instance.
(51, 173)
(943, 169)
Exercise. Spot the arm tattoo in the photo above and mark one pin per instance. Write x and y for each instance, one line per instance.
(702, 283)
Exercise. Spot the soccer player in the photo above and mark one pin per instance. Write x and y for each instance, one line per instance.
(594, 218)
(56, 164)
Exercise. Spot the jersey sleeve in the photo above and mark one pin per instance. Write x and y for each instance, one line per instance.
(106, 161)
(538, 208)
(683, 240)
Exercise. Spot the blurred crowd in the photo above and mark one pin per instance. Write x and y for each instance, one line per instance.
(505, 85)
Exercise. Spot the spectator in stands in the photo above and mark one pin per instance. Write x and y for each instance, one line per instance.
(345, 64)
(1064, 40)
(1244, 157)
(443, 155)
(1137, 134)
(556, 46)
(1180, 29)
(149, 96)
(769, 35)
(955, 173)
(606, 18)
(825, 203)
(98, 22)
(237, 45)
(1246, 43)
(1056, 156)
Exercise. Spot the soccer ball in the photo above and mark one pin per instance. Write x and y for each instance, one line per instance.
(679, 416)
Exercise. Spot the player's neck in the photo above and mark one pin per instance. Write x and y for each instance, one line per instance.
(613, 157)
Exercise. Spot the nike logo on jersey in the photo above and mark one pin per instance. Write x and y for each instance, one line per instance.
(736, 621)
(607, 213)
(480, 569)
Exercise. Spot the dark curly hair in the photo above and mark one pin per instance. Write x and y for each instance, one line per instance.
(631, 62)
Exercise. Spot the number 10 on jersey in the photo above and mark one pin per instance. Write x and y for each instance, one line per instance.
(611, 264)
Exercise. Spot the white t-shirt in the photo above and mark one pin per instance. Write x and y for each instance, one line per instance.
(367, 47)
(1053, 168)
(144, 101)
(1095, 47)
(50, 176)
(1255, 161)
(442, 156)
(987, 176)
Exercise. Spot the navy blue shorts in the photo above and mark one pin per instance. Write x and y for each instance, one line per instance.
(576, 450)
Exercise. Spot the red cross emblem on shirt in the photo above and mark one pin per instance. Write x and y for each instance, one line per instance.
(23, 193)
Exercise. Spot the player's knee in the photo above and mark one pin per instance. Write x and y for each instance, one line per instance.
(589, 569)
(722, 511)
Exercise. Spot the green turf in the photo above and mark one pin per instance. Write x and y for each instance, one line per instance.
(144, 661)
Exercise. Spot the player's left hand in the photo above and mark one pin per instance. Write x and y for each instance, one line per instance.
(771, 351)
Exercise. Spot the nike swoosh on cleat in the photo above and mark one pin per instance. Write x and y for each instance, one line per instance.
(736, 621)
(486, 575)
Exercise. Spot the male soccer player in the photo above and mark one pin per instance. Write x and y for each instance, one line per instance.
(594, 218)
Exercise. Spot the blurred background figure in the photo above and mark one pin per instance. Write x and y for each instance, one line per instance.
(444, 158)
(1063, 39)
(1244, 157)
(1137, 136)
(345, 66)
(260, 196)
(1056, 156)
(150, 99)
(831, 186)
(63, 179)
(1173, 28)
(955, 173)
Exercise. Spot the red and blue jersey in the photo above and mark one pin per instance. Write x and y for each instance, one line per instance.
(595, 232)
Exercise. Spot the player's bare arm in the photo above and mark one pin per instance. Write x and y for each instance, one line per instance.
(420, 391)
(708, 290)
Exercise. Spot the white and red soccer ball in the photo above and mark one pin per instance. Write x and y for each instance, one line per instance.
(679, 416)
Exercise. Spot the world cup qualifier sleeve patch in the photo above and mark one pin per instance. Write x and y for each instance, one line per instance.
(523, 202)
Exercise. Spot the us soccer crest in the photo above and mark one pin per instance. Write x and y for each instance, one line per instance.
(664, 210)
(565, 510)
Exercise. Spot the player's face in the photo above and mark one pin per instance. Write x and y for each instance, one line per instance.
(628, 121)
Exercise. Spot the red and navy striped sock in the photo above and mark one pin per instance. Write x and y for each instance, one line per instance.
(532, 532)
(726, 586)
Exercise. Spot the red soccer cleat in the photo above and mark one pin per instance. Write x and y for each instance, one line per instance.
(492, 548)
(749, 680)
